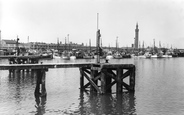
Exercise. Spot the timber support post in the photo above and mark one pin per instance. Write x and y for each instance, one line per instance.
(132, 79)
(119, 80)
(105, 81)
(81, 79)
(40, 89)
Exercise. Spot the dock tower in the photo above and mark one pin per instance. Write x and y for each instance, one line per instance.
(136, 41)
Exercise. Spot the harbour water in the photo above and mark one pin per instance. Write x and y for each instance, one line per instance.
(159, 90)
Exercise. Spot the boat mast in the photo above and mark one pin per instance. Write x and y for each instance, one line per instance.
(89, 45)
(98, 43)
(65, 44)
(68, 43)
(116, 43)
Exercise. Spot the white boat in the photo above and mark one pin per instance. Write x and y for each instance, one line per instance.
(167, 56)
(72, 57)
(109, 57)
(65, 58)
(141, 56)
(158, 55)
(154, 56)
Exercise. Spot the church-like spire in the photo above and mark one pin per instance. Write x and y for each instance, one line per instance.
(137, 25)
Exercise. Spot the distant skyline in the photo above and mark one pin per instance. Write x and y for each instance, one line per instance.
(48, 20)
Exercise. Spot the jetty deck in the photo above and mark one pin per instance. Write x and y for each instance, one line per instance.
(62, 65)
(43, 65)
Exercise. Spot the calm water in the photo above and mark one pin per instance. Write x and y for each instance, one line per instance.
(159, 91)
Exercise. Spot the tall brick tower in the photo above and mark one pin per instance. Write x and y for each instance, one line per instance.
(136, 41)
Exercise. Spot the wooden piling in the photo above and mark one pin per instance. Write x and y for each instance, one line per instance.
(108, 81)
(119, 84)
(119, 102)
(40, 83)
(81, 78)
(43, 90)
(105, 81)
(132, 79)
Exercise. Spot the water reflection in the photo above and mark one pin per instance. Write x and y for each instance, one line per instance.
(22, 77)
(40, 104)
(106, 104)
(20, 81)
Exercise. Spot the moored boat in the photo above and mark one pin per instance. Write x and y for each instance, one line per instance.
(147, 55)
(117, 56)
(65, 55)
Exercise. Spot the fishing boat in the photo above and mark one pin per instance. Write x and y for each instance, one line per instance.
(88, 56)
(56, 56)
(147, 55)
(117, 55)
(160, 54)
(109, 55)
(72, 56)
(65, 55)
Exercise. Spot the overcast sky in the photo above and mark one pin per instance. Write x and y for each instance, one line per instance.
(47, 20)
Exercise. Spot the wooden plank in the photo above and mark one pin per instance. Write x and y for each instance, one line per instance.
(40, 66)
(126, 86)
(85, 86)
(115, 66)
(93, 76)
(91, 81)
(63, 65)
(87, 71)
(97, 77)
(126, 74)
(111, 71)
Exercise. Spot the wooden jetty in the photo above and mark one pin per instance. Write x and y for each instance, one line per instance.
(100, 76)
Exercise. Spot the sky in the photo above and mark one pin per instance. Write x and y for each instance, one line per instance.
(50, 20)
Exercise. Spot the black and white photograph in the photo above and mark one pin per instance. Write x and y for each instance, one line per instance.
(91, 57)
